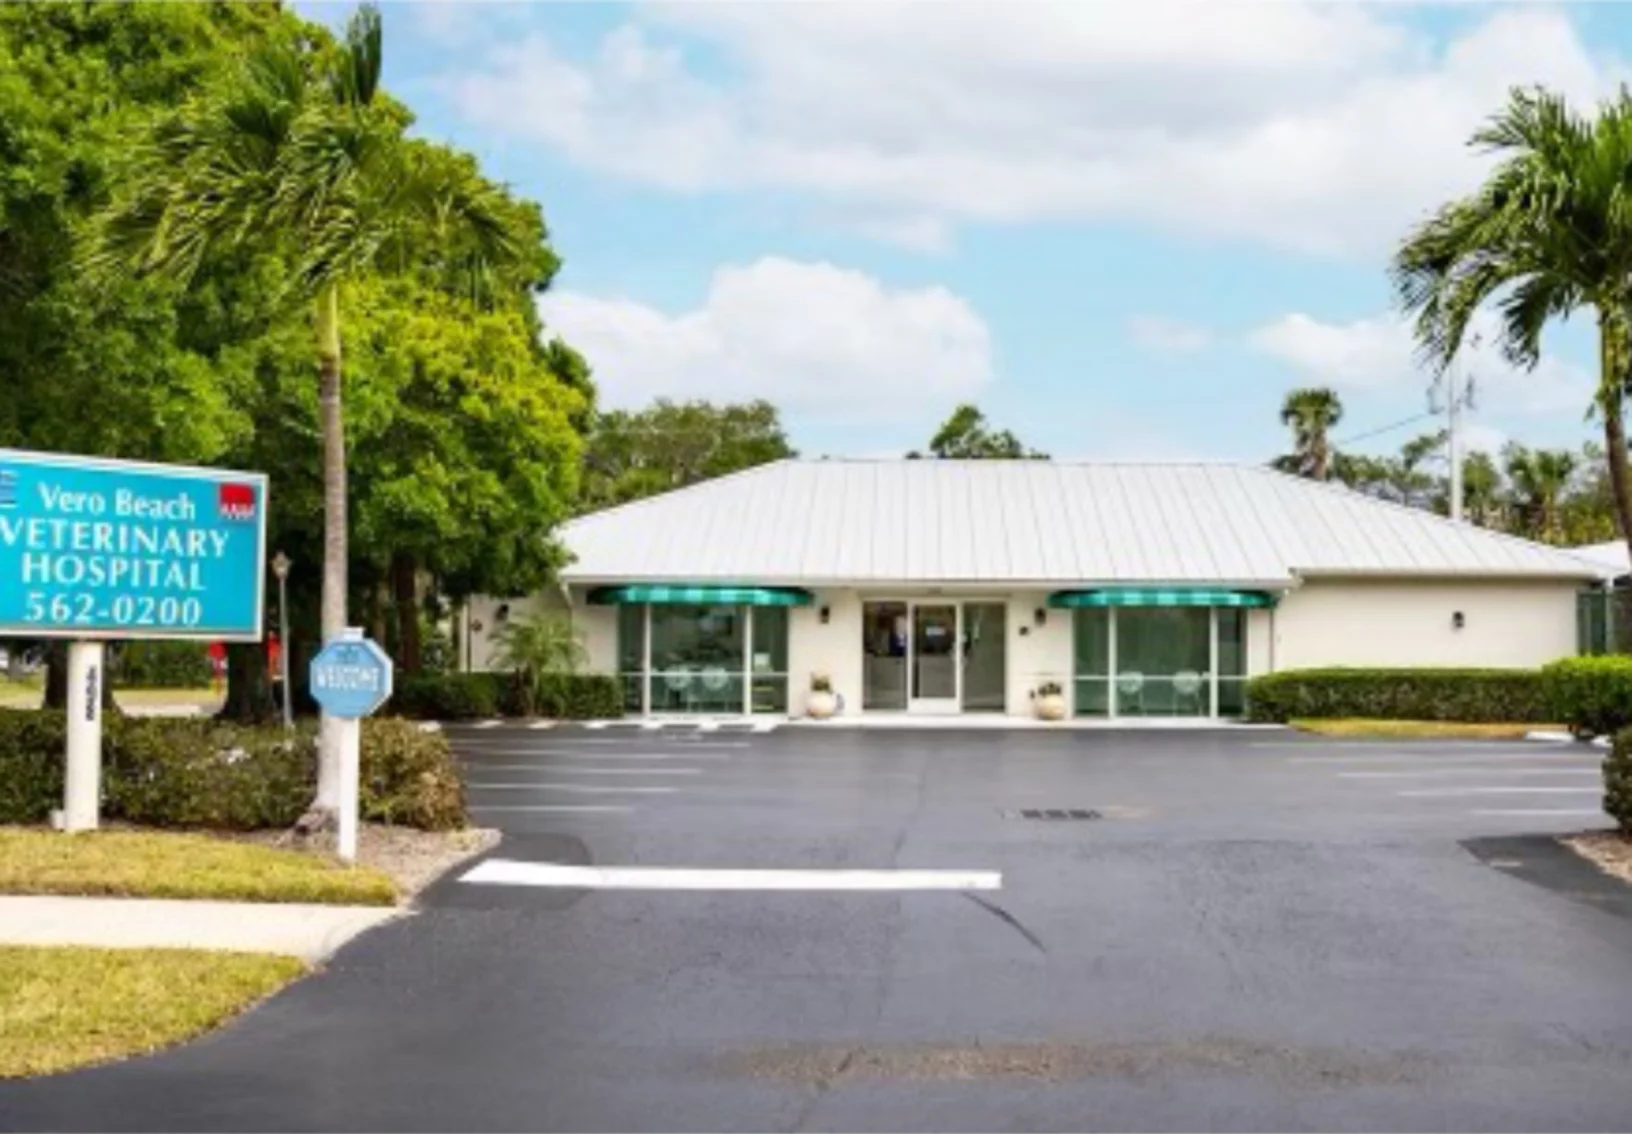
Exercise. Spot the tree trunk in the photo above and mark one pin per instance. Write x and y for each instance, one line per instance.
(321, 813)
(405, 590)
(1611, 403)
(249, 690)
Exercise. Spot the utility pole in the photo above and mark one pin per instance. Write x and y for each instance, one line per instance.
(1458, 394)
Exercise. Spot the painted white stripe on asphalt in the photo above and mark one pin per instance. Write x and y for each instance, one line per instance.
(581, 789)
(507, 872)
(1423, 793)
(588, 807)
(559, 770)
(538, 726)
(488, 724)
(596, 724)
(1569, 812)
(1449, 758)
(1437, 773)
(556, 753)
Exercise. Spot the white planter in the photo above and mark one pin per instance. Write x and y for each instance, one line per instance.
(1051, 707)
(821, 704)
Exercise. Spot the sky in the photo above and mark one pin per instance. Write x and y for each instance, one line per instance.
(1124, 230)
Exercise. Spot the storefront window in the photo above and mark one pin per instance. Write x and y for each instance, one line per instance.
(1093, 662)
(1162, 667)
(697, 659)
(769, 665)
(632, 655)
(1232, 661)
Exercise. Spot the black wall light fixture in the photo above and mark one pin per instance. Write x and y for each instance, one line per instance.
(1040, 616)
(1458, 620)
(824, 614)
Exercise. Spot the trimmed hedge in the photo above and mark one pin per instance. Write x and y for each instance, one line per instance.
(190, 773)
(1618, 780)
(161, 665)
(1506, 695)
(468, 696)
(1591, 695)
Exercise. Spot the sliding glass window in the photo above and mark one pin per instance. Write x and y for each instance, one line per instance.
(1160, 661)
(1093, 661)
(704, 659)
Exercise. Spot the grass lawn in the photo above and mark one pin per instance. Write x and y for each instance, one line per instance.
(154, 864)
(26, 695)
(63, 1007)
(1400, 730)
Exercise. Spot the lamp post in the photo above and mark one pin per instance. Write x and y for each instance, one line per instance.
(280, 568)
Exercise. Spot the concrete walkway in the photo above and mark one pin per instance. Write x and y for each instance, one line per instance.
(311, 932)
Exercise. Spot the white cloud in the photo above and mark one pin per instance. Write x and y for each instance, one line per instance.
(1155, 332)
(817, 340)
(1324, 128)
(1378, 355)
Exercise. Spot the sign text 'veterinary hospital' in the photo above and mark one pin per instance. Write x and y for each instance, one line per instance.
(92, 548)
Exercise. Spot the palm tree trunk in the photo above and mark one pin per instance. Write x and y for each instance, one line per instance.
(1611, 403)
(334, 536)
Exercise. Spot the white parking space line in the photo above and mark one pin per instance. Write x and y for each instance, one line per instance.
(508, 872)
(540, 726)
(602, 808)
(580, 789)
(1443, 773)
(1450, 759)
(1425, 793)
(560, 770)
(1539, 812)
(488, 724)
(557, 753)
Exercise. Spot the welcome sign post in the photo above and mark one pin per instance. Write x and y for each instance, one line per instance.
(94, 550)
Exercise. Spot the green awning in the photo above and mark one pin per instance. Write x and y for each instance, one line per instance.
(699, 595)
(1148, 596)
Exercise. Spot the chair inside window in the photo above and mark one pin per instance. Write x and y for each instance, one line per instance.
(1130, 692)
(1187, 686)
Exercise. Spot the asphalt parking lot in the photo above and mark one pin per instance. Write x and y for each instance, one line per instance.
(1235, 930)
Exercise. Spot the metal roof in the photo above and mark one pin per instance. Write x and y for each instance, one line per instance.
(1046, 522)
(1610, 557)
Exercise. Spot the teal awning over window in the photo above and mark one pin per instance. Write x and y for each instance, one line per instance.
(699, 595)
(1149, 596)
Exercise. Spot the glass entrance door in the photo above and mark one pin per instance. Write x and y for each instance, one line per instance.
(985, 660)
(934, 664)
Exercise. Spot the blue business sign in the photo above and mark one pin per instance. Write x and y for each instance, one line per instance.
(351, 676)
(93, 548)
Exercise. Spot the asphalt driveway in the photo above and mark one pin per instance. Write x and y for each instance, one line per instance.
(1240, 930)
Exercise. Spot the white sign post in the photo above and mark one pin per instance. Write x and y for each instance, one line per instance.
(83, 787)
(350, 678)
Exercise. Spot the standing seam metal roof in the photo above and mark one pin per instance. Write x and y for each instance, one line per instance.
(1048, 522)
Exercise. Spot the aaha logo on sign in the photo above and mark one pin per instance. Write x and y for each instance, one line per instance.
(236, 502)
(8, 489)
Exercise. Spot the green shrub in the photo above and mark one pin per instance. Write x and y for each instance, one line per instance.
(447, 696)
(161, 665)
(1505, 695)
(187, 773)
(409, 778)
(190, 773)
(32, 744)
(1591, 695)
(469, 696)
(1618, 780)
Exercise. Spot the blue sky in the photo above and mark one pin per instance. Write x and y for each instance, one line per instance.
(1124, 230)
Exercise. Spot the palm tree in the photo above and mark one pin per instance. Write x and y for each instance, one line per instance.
(1549, 233)
(532, 649)
(301, 156)
(1311, 413)
(1540, 480)
(1481, 490)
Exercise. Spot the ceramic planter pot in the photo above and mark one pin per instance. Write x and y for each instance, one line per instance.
(821, 704)
(1051, 707)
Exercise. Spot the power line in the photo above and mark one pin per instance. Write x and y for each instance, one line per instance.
(1382, 429)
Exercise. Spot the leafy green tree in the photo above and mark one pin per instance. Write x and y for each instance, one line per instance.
(1483, 493)
(1547, 234)
(534, 647)
(1540, 480)
(668, 445)
(1312, 414)
(966, 436)
(300, 154)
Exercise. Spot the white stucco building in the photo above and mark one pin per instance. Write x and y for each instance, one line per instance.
(962, 586)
